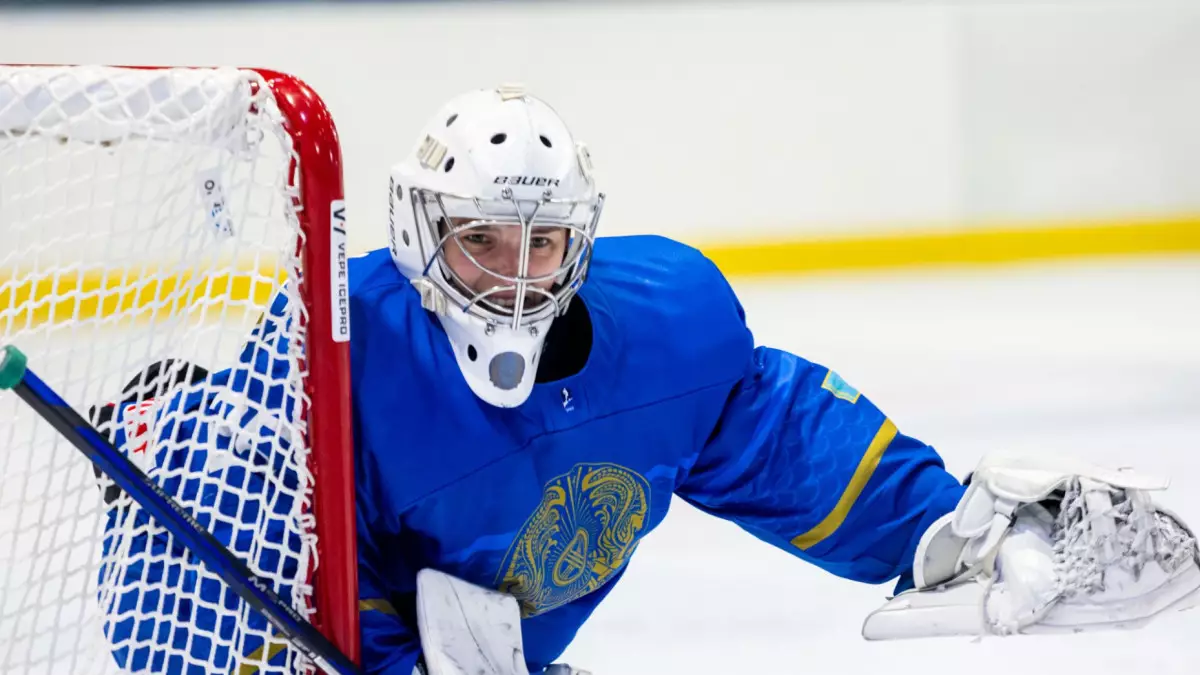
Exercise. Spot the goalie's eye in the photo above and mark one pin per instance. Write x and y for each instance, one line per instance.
(476, 239)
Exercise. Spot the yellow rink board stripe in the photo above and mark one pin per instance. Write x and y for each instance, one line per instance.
(959, 247)
(145, 292)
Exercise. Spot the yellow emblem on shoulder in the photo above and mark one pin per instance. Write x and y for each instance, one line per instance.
(582, 533)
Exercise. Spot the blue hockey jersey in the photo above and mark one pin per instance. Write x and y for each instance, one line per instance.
(548, 501)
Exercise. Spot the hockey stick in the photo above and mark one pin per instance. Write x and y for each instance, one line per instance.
(16, 376)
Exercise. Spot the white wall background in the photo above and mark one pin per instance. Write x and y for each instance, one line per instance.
(717, 122)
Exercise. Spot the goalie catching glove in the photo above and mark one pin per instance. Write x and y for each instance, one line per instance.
(1040, 546)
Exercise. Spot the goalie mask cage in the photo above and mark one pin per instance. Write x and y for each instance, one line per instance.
(172, 241)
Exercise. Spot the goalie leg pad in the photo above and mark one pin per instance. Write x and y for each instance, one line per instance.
(467, 629)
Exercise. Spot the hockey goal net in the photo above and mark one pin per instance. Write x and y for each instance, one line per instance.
(172, 261)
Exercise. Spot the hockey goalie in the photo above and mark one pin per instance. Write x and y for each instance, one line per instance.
(528, 398)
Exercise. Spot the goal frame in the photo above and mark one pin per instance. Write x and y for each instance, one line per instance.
(316, 174)
(309, 123)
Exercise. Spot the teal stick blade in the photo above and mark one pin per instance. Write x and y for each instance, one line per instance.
(12, 367)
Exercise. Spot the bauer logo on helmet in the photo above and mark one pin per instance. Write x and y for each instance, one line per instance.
(536, 181)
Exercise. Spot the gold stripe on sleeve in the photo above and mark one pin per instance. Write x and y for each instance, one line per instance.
(858, 482)
(377, 605)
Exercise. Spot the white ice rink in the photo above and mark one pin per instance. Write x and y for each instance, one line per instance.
(1099, 359)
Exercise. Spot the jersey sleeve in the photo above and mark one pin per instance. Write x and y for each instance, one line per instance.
(805, 462)
(224, 463)
(389, 645)
(162, 602)
(163, 606)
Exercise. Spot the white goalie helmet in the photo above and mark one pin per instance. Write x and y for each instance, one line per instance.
(494, 175)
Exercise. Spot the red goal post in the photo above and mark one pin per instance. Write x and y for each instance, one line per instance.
(320, 179)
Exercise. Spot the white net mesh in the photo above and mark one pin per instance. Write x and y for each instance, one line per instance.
(147, 216)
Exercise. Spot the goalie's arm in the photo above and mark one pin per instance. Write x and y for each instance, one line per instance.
(803, 461)
(167, 513)
(391, 644)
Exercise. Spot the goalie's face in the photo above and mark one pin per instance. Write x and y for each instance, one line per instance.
(487, 259)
